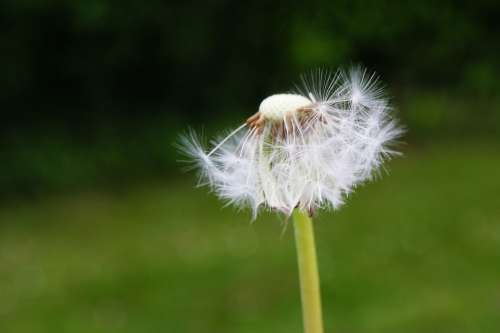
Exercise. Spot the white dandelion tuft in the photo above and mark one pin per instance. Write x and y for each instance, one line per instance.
(308, 148)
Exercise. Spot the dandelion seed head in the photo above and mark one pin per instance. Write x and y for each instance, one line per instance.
(309, 148)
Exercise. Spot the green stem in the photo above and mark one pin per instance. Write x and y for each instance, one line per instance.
(308, 272)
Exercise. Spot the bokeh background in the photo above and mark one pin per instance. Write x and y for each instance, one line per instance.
(100, 230)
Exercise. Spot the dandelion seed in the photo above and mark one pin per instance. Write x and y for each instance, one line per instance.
(308, 148)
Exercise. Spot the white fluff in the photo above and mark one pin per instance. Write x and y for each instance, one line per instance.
(296, 159)
(277, 107)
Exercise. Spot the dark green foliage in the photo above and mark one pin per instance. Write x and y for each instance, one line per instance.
(110, 83)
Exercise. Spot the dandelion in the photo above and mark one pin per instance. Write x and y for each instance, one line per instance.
(302, 151)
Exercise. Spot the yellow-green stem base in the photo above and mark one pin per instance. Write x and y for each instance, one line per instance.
(308, 272)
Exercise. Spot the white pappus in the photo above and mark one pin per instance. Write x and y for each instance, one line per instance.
(308, 148)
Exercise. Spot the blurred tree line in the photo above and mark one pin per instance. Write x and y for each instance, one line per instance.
(96, 91)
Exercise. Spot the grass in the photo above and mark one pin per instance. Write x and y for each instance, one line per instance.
(418, 251)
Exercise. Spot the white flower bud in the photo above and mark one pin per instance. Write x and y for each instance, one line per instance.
(277, 107)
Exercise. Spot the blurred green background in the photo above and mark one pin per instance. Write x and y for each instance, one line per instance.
(100, 231)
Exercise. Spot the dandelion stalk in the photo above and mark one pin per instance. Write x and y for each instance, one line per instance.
(308, 272)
